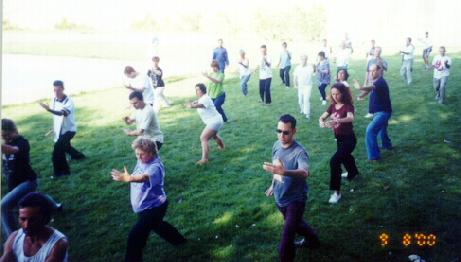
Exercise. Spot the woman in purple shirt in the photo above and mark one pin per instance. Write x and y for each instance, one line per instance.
(341, 114)
(148, 199)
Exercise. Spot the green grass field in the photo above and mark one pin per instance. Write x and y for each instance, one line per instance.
(221, 207)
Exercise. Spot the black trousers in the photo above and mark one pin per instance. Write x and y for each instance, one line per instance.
(343, 155)
(265, 90)
(150, 219)
(61, 147)
(285, 75)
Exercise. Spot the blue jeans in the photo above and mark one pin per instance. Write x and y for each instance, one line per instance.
(10, 202)
(218, 102)
(244, 84)
(378, 126)
(285, 75)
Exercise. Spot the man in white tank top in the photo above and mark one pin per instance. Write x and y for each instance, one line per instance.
(35, 241)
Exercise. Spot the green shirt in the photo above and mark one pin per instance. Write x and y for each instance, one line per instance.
(216, 89)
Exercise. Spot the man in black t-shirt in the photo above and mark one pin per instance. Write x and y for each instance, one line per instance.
(21, 178)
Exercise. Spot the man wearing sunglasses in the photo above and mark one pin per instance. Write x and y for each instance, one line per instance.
(289, 169)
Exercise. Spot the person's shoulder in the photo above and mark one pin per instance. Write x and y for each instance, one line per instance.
(299, 148)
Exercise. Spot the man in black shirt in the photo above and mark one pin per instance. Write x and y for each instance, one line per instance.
(21, 178)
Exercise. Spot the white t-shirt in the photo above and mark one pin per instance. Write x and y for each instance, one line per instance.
(209, 113)
(265, 71)
(427, 42)
(147, 120)
(440, 70)
(343, 57)
(63, 124)
(304, 74)
(410, 49)
(244, 71)
(143, 82)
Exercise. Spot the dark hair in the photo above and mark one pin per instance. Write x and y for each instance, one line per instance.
(202, 87)
(58, 83)
(284, 43)
(129, 70)
(322, 54)
(263, 46)
(36, 199)
(215, 63)
(9, 126)
(346, 94)
(288, 119)
(135, 94)
(155, 58)
(345, 73)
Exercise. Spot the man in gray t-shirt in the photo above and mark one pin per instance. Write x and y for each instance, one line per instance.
(290, 168)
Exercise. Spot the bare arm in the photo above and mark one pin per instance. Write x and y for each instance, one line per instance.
(322, 119)
(54, 112)
(348, 119)
(8, 253)
(126, 177)
(362, 88)
(214, 80)
(195, 105)
(128, 120)
(10, 149)
(280, 170)
(59, 251)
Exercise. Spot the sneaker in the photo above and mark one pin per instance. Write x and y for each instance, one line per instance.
(368, 115)
(324, 102)
(334, 198)
(344, 175)
(311, 244)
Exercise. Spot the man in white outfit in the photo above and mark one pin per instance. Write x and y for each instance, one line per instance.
(441, 64)
(303, 81)
(407, 61)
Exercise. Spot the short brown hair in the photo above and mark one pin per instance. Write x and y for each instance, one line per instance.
(145, 144)
(215, 63)
(129, 70)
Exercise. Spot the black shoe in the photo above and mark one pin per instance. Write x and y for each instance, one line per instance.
(312, 244)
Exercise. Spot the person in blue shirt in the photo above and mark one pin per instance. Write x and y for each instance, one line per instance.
(381, 108)
(220, 55)
(148, 199)
(290, 169)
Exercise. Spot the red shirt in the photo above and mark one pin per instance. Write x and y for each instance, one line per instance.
(341, 129)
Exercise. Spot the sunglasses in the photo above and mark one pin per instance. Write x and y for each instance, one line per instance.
(282, 132)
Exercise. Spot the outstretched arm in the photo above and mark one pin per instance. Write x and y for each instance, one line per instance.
(280, 170)
(54, 112)
(126, 177)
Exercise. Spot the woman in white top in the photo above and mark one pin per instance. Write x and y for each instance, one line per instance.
(211, 118)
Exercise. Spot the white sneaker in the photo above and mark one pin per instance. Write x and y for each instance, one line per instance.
(324, 102)
(344, 175)
(368, 115)
(334, 198)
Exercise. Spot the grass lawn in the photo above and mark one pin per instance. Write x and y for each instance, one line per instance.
(221, 207)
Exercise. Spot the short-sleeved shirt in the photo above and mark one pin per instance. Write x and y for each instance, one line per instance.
(147, 120)
(216, 89)
(285, 59)
(290, 189)
(323, 69)
(156, 77)
(149, 194)
(440, 66)
(17, 166)
(145, 83)
(380, 100)
(244, 70)
(304, 74)
(341, 129)
(63, 124)
(410, 49)
(343, 57)
(265, 70)
(208, 114)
